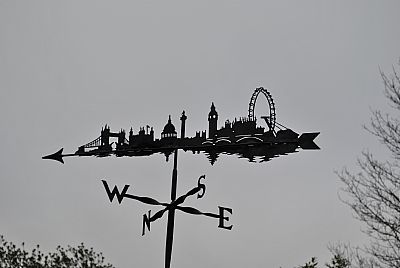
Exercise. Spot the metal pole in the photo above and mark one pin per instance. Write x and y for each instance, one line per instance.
(171, 214)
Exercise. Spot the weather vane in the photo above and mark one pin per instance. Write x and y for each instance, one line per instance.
(242, 137)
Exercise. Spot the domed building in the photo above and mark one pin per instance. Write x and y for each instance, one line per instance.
(169, 131)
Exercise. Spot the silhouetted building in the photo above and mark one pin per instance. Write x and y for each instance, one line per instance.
(131, 137)
(212, 122)
(143, 138)
(105, 136)
(121, 138)
(201, 135)
(169, 131)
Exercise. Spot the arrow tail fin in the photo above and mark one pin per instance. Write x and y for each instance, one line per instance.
(306, 141)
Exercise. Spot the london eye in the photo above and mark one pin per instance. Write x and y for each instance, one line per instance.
(270, 118)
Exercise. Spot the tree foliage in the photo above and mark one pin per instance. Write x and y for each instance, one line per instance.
(374, 193)
(12, 256)
(338, 260)
(345, 256)
(311, 264)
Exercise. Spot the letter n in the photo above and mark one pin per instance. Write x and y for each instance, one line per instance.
(146, 222)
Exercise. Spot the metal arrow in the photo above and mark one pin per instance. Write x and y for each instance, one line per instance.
(58, 156)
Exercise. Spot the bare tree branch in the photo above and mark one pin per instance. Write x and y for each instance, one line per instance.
(374, 193)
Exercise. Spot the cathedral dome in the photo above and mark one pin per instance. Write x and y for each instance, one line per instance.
(169, 130)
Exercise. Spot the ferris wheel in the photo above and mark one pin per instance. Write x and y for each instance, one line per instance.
(270, 118)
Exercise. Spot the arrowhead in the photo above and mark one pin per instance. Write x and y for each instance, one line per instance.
(56, 156)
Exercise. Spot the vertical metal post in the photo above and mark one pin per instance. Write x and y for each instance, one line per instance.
(171, 213)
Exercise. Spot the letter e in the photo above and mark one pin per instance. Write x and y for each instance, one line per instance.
(222, 218)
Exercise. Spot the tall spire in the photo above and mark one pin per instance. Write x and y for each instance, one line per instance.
(212, 107)
(183, 124)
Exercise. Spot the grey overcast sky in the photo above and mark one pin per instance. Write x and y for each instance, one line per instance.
(67, 68)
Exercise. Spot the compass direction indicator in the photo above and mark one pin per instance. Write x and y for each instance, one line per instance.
(147, 218)
(241, 137)
(175, 203)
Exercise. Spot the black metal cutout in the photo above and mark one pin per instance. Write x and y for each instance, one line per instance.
(175, 204)
(147, 218)
(241, 137)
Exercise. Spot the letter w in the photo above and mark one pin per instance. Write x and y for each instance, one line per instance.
(115, 192)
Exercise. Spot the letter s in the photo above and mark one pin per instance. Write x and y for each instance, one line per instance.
(201, 186)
